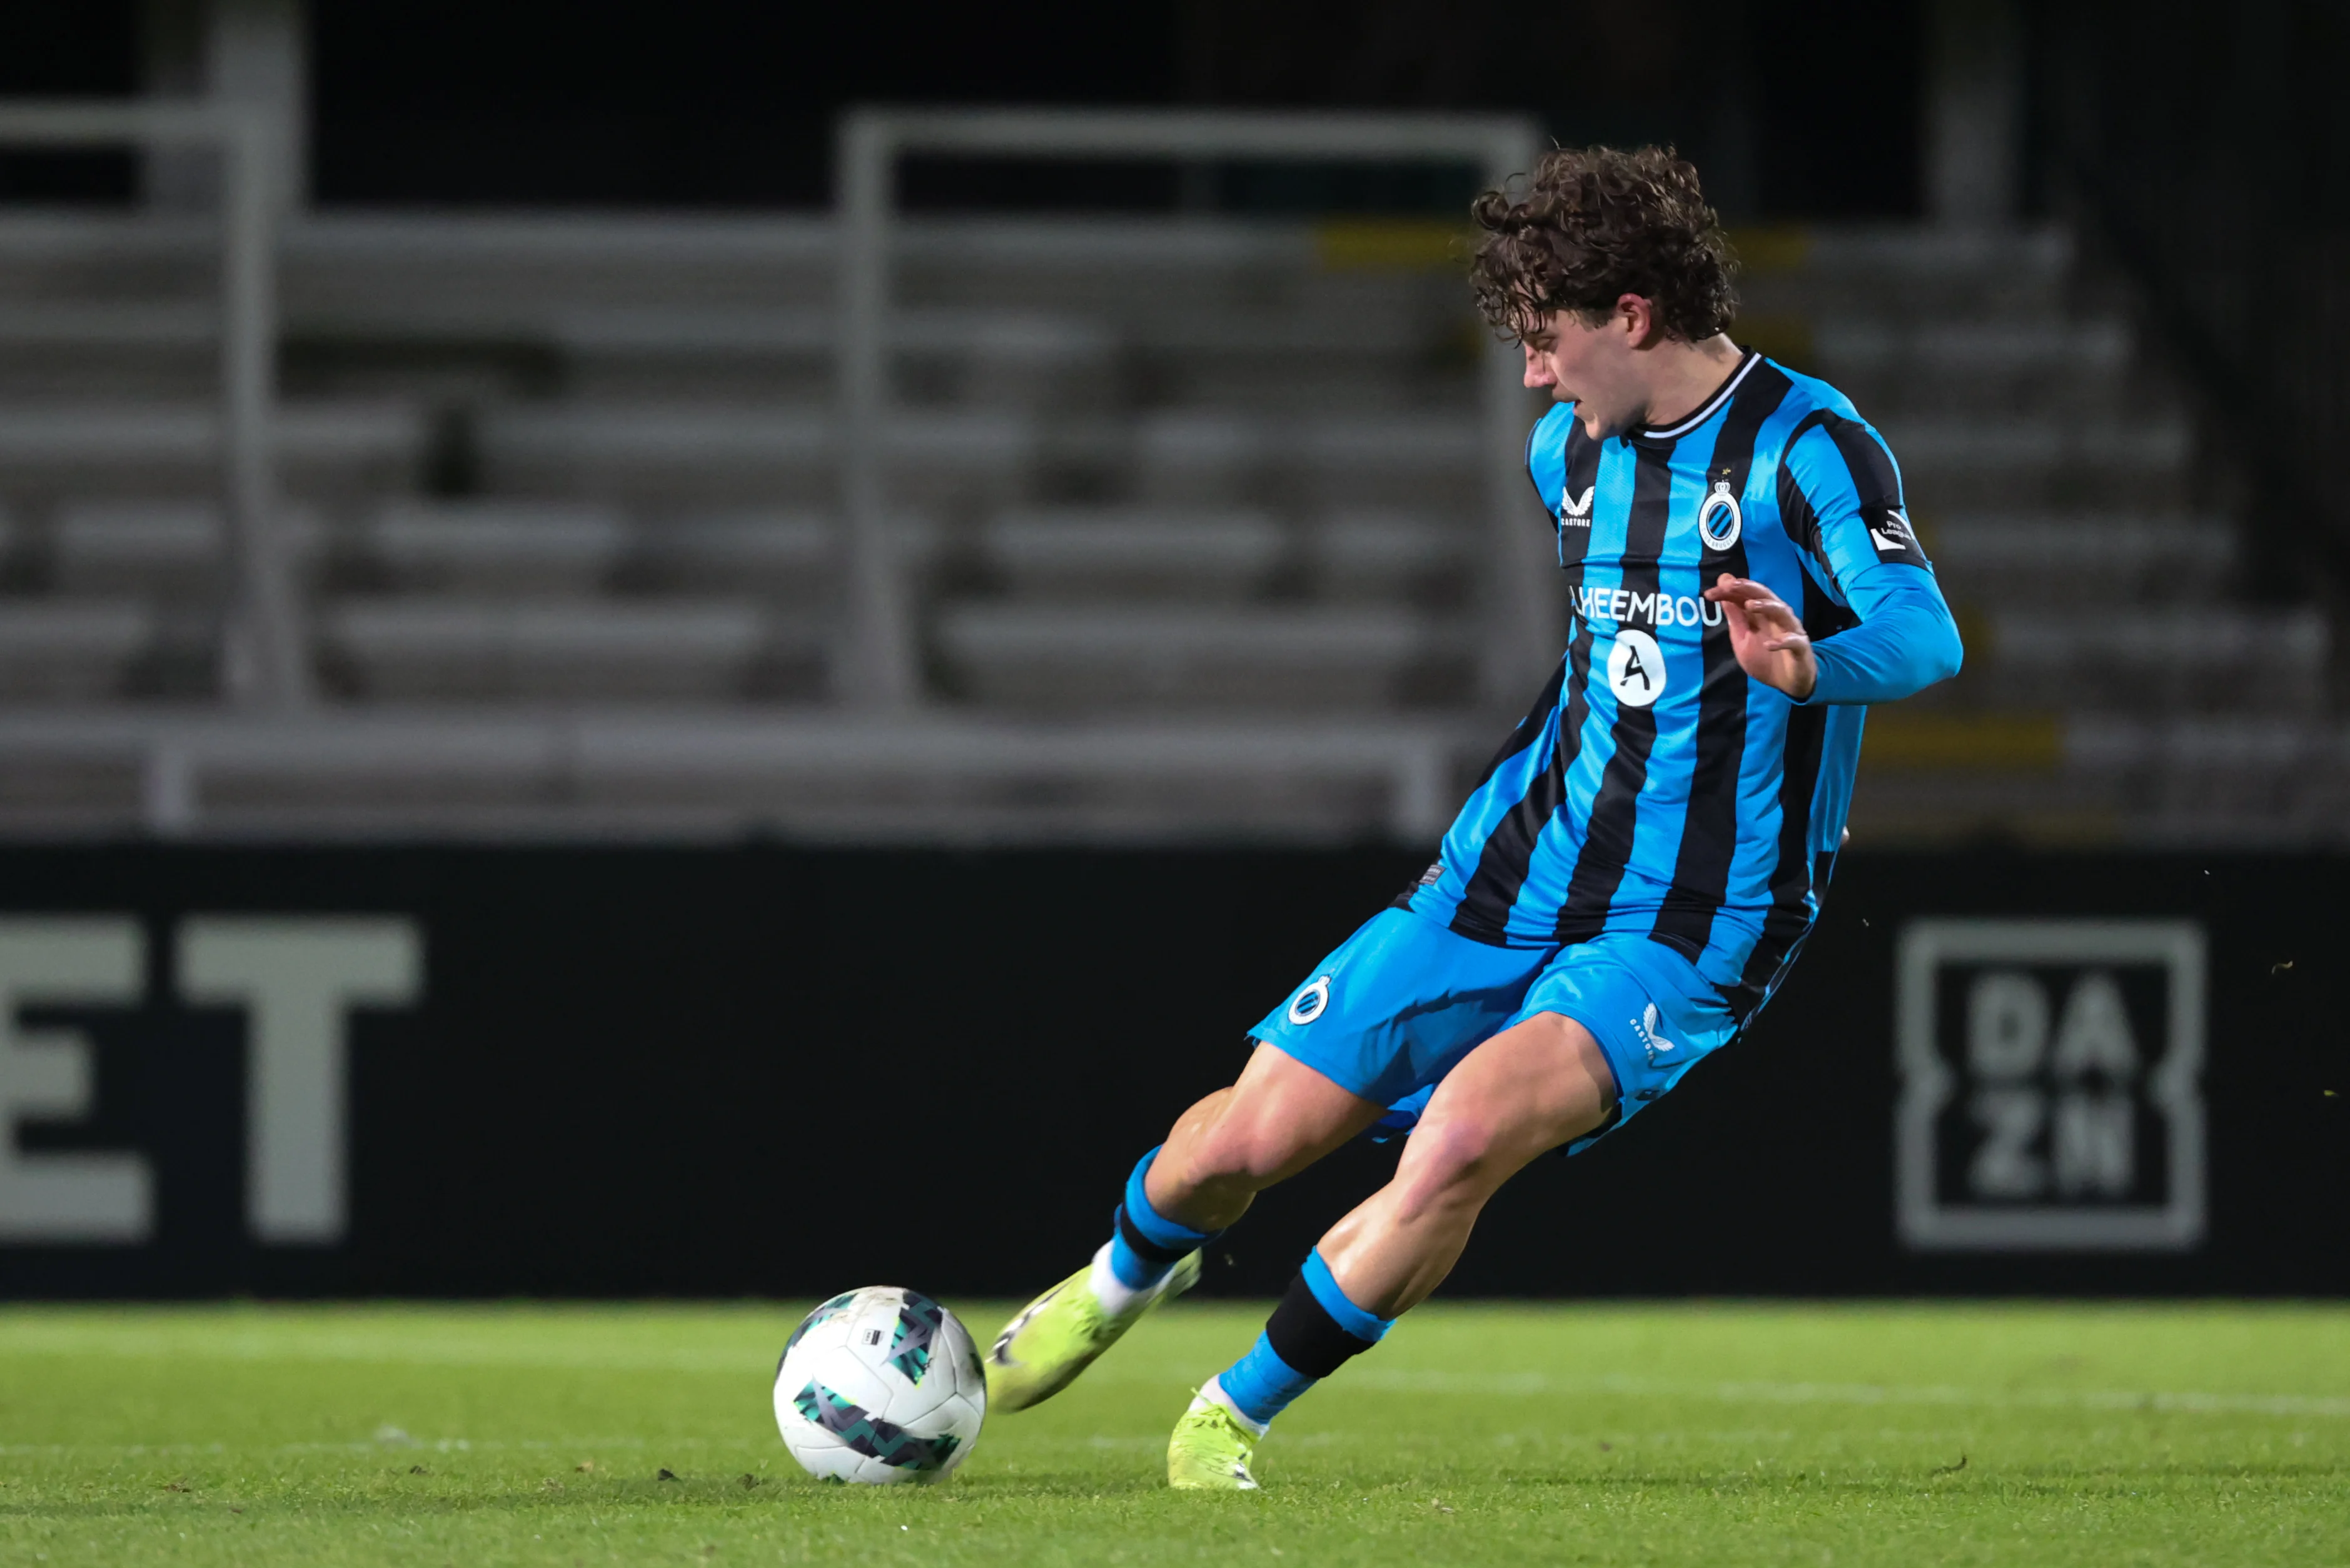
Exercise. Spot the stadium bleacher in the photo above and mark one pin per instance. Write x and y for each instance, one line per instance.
(1191, 508)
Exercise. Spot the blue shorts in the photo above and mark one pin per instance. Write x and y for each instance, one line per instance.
(1404, 1000)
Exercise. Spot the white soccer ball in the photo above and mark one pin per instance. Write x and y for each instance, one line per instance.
(880, 1386)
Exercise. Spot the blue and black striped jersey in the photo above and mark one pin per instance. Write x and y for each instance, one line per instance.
(1654, 787)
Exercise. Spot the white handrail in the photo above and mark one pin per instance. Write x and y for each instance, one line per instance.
(1521, 631)
(267, 662)
(540, 756)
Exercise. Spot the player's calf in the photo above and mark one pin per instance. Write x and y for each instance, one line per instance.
(1314, 1330)
(1532, 1087)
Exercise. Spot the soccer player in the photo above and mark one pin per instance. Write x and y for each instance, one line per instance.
(1639, 866)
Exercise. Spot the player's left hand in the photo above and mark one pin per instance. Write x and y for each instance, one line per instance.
(1766, 636)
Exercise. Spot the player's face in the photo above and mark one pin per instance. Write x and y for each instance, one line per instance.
(1590, 367)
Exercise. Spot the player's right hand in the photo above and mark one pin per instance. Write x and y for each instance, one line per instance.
(1767, 636)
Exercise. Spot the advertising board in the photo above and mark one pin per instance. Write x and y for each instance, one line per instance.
(765, 1069)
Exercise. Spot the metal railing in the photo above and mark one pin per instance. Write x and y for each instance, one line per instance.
(586, 773)
(1520, 630)
(265, 657)
(217, 773)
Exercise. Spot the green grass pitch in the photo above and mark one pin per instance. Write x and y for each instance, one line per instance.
(1712, 1434)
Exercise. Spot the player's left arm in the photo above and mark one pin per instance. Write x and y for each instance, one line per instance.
(1842, 500)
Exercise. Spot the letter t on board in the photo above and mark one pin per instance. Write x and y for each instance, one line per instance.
(296, 978)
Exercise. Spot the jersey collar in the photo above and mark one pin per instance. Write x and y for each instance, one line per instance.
(1710, 406)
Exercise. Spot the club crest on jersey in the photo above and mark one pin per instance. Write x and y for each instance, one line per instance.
(1719, 520)
(1575, 511)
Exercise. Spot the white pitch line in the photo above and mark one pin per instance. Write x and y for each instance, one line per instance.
(268, 1346)
(389, 1448)
(1401, 1381)
(355, 1348)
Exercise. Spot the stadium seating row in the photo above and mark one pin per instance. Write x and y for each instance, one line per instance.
(1186, 474)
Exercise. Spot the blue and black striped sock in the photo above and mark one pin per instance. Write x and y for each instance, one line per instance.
(1144, 1244)
(1310, 1335)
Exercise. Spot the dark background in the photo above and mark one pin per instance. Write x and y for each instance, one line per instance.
(1794, 112)
(74, 50)
(776, 1071)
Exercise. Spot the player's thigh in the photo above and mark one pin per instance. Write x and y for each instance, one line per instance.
(1653, 1015)
(1539, 1083)
(1397, 1003)
(1282, 1098)
(1277, 1118)
(1386, 1014)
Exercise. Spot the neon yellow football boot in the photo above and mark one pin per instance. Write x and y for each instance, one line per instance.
(1211, 1451)
(1059, 1334)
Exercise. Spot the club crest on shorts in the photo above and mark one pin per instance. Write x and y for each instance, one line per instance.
(1310, 1003)
(1719, 520)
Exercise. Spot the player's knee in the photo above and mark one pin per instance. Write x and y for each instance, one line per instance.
(1452, 1162)
(1245, 1148)
(1251, 1154)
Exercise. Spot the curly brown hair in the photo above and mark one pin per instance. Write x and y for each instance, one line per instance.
(1598, 223)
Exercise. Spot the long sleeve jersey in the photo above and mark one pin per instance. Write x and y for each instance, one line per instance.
(1654, 786)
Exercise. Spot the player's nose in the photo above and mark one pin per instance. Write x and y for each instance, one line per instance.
(1538, 371)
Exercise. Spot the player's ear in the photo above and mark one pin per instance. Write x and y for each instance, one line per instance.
(1635, 318)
